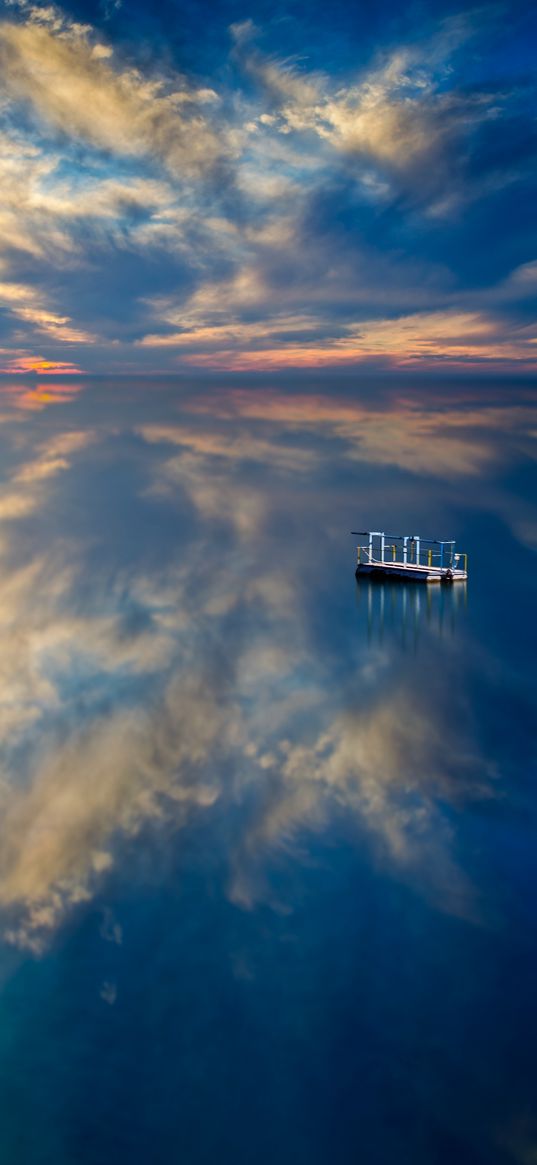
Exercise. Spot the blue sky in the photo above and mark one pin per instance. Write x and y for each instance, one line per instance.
(220, 187)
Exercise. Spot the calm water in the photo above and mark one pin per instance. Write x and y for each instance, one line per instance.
(268, 838)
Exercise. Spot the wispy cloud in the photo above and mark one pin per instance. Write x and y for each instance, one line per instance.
(70, 80)
(397, 115)
(23, 303)
(449, 337)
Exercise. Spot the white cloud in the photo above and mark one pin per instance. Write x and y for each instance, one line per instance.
(52, 66)
(396, 116)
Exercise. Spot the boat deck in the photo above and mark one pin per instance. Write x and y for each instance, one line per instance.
(411, 572)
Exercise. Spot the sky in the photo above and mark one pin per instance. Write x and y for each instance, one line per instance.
(287, 186)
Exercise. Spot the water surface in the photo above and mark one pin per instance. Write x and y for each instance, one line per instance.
(267, 841)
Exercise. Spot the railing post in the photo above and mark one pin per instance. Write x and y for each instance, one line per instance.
(382, 547)
(405, 548)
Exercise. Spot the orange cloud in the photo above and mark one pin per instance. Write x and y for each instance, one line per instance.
(22, 364)
(278, 358)
(453, 338)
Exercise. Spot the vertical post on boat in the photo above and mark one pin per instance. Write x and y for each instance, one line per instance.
(382, 547)
(405, 549)
(417, 542)
(370, 547)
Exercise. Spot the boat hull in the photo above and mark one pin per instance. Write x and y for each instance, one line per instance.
(401, 572)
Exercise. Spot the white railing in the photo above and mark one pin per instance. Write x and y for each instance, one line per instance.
(411, 553)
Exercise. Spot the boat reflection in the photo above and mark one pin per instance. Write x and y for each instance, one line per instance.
(402, 612)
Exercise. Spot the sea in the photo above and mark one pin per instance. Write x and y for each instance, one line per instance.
(268, 833)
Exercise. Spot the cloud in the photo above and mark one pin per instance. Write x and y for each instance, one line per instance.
(450, 337)
(25, 225)
(398, 115)
(46, 202)
(24, 364)
(256, 320)
(69, 80)
(293, 219)
(23, 302)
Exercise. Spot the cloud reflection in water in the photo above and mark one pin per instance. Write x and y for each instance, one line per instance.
(159, 690)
